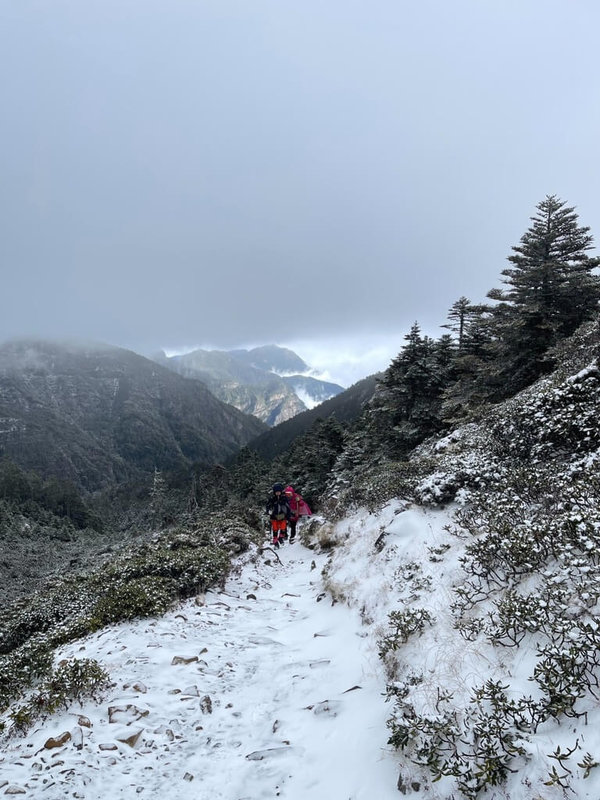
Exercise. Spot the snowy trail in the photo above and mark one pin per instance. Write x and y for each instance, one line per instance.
(279, 693)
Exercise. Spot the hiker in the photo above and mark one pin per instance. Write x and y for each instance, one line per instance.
(279, 513)
(298, 507)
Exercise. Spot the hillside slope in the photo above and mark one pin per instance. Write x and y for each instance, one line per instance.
(345, 407)
(491, 639)
(100, 415)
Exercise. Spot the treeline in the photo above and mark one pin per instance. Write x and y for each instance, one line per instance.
(30, 494)
(494, 350)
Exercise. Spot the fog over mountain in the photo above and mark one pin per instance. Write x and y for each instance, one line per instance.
(271, 383)
(226, 175)
(100, 415)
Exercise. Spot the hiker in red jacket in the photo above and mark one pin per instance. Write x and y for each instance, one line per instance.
(279, 513)
(298, 507)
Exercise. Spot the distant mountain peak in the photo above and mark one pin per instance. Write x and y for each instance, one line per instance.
(270, 382)
(99, 415)
(272, 358)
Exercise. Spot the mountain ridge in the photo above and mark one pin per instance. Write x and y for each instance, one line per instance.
(345, 407)
(268, 382)
(97, 414)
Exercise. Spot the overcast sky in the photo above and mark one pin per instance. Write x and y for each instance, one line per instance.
(229, 173)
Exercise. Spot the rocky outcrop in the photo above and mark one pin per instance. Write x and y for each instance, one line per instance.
(266, 382)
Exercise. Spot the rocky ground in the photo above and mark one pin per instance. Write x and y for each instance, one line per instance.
(266, 689)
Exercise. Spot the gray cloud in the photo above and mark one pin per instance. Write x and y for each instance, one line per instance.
(229, 173)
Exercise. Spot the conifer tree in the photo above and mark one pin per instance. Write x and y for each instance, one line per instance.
(311, 457)
(467, 387)
(192, 504)
(551, 291)
(212, 487)
(444, 351)
(247, 474)
(406, 405)
(13, 482)
(459, 315)
(158, 496)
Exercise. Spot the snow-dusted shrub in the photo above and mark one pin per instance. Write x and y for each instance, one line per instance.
(139, 581)
(402, 625)
(553, 419)
(503, 553)
(22, 667)
(476, 746)
(437, 488)
(188, 570)
(140, 597)
(74, 679)
(411, 574)
(458, 472)
(516, 615)
(373, 486)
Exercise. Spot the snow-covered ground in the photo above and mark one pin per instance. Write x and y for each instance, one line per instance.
(274, 687)
(280, 694)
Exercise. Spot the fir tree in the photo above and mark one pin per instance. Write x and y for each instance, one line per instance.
(158, 497)
(192, 504)
(551, 291)
(459, 315)
(247, 474)
(406, 405)
(311, 457)
(468, 382)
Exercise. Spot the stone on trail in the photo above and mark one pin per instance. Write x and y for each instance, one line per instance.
(270, 752)
(57, 741)
(126, 714)
(183, 660)
(130, 737)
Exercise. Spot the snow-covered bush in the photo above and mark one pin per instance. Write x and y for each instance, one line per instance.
(138, 581)
(557, 419)
(476, 746)
(74, 679)
(402, 624)
(526, 485)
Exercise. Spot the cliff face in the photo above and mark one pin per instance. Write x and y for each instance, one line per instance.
(250, 380)
(273, 403)
(99, 415)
